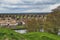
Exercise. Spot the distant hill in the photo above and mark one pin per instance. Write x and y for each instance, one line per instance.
(24, 13)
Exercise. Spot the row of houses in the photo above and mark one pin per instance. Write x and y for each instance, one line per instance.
(14, 19)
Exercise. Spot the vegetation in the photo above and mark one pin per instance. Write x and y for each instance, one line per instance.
(33, 25)
(41, 36)
(52, 23)
(14, 27)
(20, 27)
(7, 34)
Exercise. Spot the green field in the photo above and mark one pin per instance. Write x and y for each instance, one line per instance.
(41, 36)
(7, 34)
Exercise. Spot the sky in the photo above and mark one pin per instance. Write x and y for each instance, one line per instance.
(28, 6)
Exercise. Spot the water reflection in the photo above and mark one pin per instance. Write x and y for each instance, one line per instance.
(25, 31)
(21, 31)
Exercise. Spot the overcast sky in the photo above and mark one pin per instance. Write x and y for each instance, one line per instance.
(27, 6)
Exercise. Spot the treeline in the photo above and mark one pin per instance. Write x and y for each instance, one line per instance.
(51, 24)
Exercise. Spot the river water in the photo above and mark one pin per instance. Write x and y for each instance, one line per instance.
(21, 31)
(25, 31)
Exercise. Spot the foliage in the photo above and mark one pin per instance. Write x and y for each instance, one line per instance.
(46, 38)
(52, 23)
(33, 25)
(41, 36)
(20, 27)
(7, 34)
(14, 27)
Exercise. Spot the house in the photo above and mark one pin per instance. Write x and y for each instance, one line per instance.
(13, 19)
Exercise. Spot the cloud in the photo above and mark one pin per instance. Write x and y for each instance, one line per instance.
(22, 6)
(11, 1)
(54, 6)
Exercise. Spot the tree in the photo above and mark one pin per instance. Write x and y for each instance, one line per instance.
(53, 20)
(33, 25)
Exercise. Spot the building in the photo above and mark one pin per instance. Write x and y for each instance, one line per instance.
(14, 19)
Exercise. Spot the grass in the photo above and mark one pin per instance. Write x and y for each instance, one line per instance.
(41, 36)
(17, 27)
(20, 27)
(7, 34)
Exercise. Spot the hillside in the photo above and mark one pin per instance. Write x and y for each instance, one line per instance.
(41, 36)
(7, 34)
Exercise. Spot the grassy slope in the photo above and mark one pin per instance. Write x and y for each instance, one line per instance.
(7, 34)
(11, 35)
(41, 36)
